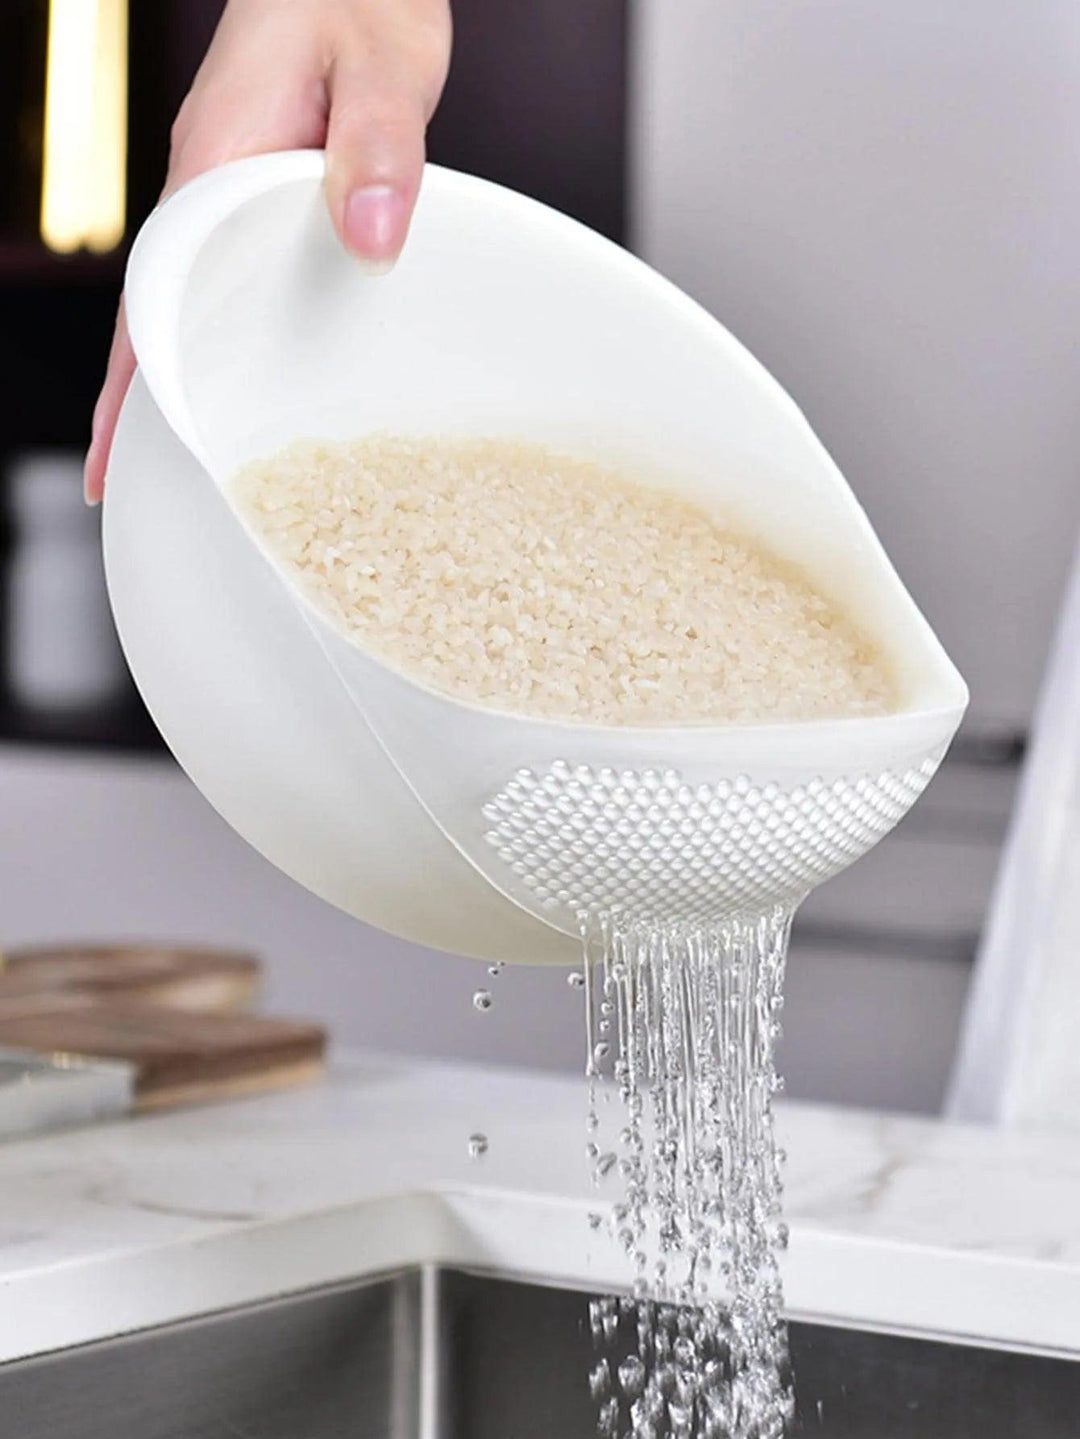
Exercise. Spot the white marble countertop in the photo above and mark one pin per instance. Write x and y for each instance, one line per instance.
(902, 1223)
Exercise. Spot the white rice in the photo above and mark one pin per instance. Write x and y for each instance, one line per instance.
(504, 574)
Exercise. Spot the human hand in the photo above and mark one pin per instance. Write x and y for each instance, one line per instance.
(358, 77)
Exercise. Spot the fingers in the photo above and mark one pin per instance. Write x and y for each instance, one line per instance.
(107, 410)
(375, 158)
(383, 87)
(232, 114)
(360, 78)
(243, 102)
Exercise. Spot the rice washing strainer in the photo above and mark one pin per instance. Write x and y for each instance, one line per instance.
(468, 829)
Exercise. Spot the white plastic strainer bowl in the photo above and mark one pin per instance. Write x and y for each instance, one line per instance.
(469, 829)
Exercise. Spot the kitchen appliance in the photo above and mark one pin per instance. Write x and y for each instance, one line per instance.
(469, 830)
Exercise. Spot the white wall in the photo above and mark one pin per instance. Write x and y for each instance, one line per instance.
(883, 201)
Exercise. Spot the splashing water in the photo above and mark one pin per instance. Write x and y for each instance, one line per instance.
(693, 1013)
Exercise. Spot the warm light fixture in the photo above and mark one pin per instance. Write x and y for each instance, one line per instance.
(83, 189)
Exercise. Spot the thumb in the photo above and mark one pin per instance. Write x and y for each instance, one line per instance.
(374, 163)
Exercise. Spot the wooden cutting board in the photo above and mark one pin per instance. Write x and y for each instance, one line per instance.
(190, 979)
(178, 1057)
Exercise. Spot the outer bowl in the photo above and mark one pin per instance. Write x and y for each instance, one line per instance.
(406, 809)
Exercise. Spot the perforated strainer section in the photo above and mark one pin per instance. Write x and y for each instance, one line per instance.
(644, 843)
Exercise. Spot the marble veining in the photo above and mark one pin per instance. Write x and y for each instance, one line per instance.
(895, 1220)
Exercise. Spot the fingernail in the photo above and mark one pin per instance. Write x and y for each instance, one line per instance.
(90, 498)
(375, 226)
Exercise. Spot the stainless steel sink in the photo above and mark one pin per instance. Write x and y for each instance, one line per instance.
(440, 1354)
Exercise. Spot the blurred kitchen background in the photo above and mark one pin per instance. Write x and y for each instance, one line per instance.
(882, 201)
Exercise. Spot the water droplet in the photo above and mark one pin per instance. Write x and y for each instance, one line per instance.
(607, 1423)
(478, 1146)
(482, 999)
(595, 1220)
(655, 1407)
(691, 1067)
(496, 969)
(575, 980)
(684, 1351)
(681, 1419)
(632, 1376)
(599, 1379)
(604, 1165)
(665, 1377)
